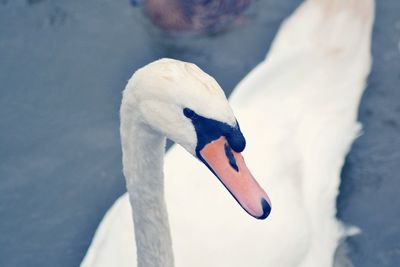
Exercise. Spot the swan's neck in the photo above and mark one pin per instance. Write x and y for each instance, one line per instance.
(143, 154)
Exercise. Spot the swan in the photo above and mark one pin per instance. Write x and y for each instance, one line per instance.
(298, 111)
(175, 99)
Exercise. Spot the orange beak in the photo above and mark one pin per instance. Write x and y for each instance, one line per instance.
(231, 170)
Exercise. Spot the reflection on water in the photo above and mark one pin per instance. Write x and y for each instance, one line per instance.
(194, 15)
(32, 2)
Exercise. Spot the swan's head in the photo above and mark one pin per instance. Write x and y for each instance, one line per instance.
(178, 100)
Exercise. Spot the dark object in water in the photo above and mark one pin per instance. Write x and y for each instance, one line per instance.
(193, 15)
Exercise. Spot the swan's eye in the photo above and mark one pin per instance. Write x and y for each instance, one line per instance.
(188, 113)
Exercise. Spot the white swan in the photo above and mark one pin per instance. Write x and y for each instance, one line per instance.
(298, 111)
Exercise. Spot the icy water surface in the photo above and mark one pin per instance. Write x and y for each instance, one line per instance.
(63, 65)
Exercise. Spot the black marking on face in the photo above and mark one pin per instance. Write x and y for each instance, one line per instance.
(208, 130)
(231, 158)
(188, 113)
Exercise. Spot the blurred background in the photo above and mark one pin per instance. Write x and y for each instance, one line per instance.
(63, 65)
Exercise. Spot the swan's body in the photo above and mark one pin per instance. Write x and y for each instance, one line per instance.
(298, 111)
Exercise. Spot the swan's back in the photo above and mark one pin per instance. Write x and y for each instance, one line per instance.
(298, 111)
(323, 41)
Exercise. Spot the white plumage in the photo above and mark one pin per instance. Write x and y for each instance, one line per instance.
(298, 111)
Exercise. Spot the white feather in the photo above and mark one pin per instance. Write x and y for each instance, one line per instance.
(298, 111)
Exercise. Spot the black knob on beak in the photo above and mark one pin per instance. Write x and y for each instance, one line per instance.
(236, 139)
